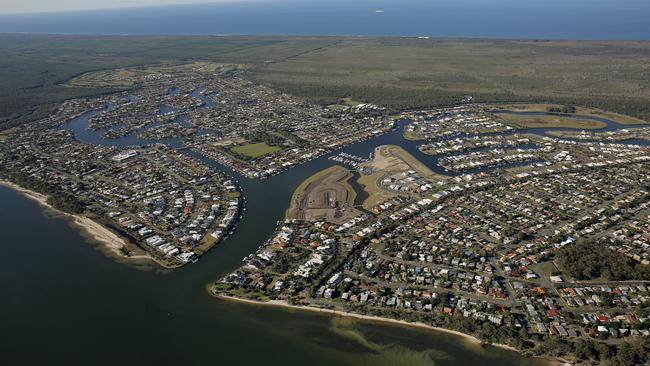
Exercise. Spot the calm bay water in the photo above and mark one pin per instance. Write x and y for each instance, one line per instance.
(555, 19)
(63, 301)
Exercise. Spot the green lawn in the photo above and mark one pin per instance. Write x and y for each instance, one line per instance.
(256, 150)
(412, 135)
(232, 195)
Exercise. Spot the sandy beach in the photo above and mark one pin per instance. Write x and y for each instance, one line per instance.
(281, 303)
(467, 337)
(100, 234)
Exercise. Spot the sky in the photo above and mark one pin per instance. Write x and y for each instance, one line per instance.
(35, 6)
(38, 6)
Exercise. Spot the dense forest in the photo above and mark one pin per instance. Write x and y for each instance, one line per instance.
(586, 260)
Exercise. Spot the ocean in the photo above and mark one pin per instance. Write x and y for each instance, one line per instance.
(552, 19)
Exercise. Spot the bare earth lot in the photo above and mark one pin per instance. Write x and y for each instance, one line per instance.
(327, 195)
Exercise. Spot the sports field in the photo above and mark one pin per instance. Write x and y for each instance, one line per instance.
(256, 150)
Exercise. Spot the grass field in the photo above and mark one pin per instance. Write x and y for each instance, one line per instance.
(620, 118)
(205, 244)
(256, 150)
(413, 136)
(349, 102)
(397, 72)
(521, 121)
(413, 163)
(547, 268)
(583, 111)
(232, 195)
(344, 103)
(370, 184)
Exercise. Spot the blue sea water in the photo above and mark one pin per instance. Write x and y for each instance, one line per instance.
(550, 19)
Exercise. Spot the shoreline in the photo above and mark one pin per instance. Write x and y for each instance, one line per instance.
(284, 304)
(96, 232)
(468, 337)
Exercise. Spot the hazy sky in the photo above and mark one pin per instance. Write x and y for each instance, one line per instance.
(31, 6)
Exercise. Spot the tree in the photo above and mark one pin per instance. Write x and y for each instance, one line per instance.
(588, 260)
(585, 349)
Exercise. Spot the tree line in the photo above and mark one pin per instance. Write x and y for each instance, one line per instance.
(57, 198)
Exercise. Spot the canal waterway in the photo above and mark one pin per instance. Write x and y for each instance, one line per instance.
(64, 302)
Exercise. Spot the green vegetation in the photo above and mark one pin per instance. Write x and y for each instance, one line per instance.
(374, 193)
(587, 261)
(240, 292)
(57, 198)
(527, 121)
(566, 109)
(124, 250)
(256, 150)
(344, 103)
(398, 152)
(232, 195)
(132, 77)
(634, 352)
(548, 269)
(628, 353)
(293, 206)
(620, 118)
(413, 136)
(571, 109)
(35, 68)
(400, 73)
(66, 202)
(274, 138)
(349, 102)
(205, 244)
(404, 73)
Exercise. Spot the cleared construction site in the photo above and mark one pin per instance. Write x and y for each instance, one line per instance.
(326, 195)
